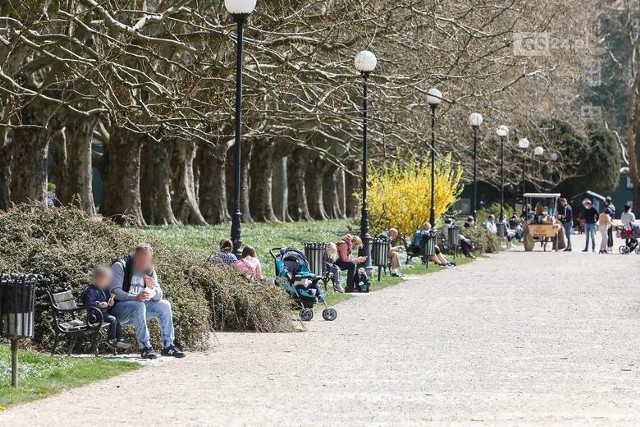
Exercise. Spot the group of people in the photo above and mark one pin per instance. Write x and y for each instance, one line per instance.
(603, 223)
(248, 262)
(128, 292)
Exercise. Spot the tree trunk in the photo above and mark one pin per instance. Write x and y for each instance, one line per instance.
(5, 170)
(245, 186)
(314, 188)
(330, 194)
(122, 202)
(29, 150)
(155, 183)
(185, 203)
(260, 200)
(279, 190)
(633, 140)
(296, 167)
(72, 153)
(212, 191)
(352, 187)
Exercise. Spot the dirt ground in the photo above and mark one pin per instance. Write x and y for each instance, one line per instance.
(515, 339)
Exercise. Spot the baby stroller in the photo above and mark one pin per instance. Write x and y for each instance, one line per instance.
(630, 237)
(294, 276)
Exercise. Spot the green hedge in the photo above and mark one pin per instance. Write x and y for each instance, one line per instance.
(64, 245)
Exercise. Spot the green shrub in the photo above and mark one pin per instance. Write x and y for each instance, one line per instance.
(65, 245)
(483, 241)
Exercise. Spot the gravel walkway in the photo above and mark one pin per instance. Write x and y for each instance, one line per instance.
(517, 339)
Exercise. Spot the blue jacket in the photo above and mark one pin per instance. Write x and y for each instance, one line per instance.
(93, 296)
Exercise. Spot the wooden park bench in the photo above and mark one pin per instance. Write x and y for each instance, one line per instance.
(73, 321)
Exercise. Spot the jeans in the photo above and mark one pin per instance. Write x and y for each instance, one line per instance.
(137, 313)
(568, 230)
(115, 330)
(350, 266)
(590, 233)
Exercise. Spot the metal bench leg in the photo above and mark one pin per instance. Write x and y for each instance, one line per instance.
(56, 340)
(72, 344)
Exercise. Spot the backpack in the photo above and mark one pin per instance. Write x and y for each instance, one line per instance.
(362, 281)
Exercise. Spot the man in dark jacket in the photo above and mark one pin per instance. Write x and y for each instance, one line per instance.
(590, 217)
(565, 215)
(139, 298)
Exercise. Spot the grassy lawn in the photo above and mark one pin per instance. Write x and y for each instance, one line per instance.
(41, 375)
(260, 235)
(265, 236)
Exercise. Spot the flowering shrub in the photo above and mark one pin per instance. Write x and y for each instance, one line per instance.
(400, 196)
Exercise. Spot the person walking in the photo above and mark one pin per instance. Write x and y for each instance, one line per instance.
(612, 209)
(590, 219)
(566, 216)
(604, 225)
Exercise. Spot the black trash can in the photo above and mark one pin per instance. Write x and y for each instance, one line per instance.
(315, 255)
(501, 230)
(17, 304)
(429, 245)
(380, 249)
(453, 237)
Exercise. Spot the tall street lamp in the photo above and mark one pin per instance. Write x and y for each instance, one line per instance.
(502, 132)
(475, 121)
(240, 10)
(434, 98)
(365, 62)
(524, 144)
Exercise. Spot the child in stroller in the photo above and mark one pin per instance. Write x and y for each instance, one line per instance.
(294, 275)
(630, 236)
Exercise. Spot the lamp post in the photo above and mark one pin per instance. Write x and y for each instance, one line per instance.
(365, 62)
(475, 121)
(434, 98)
(502, 132)
(240, 10)
(524, 143)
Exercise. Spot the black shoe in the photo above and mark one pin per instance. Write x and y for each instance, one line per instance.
(568, 250)
(351, 290)
(113, 344)
(148, 353)
(585, 250)
(172, 351)
(396, 274)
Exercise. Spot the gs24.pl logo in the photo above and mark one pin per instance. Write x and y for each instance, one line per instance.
(543, 44)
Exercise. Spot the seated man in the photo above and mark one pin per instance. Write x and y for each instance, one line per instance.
(466, 246)
(490, 224)
(139, 298)
(418, 243)
(394, 262)
(346, 246)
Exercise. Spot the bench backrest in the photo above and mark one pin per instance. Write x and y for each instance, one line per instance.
(64, 300)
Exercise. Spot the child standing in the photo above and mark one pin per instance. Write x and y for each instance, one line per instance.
(97, 295)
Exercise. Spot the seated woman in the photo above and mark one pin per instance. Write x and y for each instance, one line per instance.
(346, 246)
(438, 257)
(225, 256)
(333, 271)
(249, 263)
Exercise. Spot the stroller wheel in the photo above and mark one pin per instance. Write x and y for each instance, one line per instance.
(329, 314)
(306, 314)
(624, 250)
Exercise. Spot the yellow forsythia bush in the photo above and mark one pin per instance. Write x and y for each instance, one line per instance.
(400, 195)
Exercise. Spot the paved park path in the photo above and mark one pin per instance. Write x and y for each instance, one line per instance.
(517, 339)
